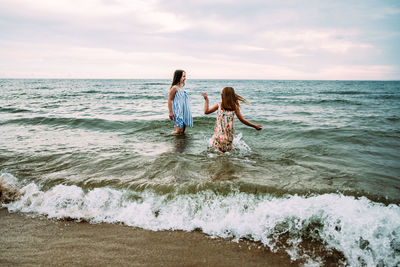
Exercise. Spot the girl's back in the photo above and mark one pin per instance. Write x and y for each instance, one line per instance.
(224, 130)
(224, 125)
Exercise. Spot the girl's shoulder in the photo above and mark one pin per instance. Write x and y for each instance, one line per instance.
(177, 88)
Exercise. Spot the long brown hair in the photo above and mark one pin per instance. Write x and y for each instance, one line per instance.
(230, 100)
(177, 77)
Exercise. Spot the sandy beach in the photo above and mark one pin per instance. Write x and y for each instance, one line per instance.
(39, 241)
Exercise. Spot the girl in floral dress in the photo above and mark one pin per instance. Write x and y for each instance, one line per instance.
(224, 126)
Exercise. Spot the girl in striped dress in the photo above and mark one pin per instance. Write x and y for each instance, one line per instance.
(178, 103)
(224, 126)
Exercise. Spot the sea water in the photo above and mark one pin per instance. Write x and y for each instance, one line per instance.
(321, 178)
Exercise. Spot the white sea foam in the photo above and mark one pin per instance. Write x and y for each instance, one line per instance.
(367, 233)
(8, 180)
(238, 145)
(9, 187)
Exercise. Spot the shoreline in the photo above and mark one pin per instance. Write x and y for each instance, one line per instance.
(26, 240)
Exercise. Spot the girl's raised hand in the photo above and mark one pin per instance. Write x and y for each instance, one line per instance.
(205, 96)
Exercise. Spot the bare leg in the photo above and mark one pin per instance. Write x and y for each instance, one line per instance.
(179, 130)
(183, 128)
(176, 130)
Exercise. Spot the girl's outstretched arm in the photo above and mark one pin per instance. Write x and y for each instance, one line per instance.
(244, 121)
(208, 110)
(171, 95)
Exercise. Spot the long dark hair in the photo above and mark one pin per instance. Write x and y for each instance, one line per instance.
(230, 100)
(177, 77)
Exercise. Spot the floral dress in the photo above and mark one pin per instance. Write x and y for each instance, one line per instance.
(224, 131)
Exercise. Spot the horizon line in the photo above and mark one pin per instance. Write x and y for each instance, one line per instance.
(232, 79)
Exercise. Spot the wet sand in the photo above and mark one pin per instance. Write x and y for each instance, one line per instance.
(26, 241)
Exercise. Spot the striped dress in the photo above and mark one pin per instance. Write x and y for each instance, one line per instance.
(181, 109)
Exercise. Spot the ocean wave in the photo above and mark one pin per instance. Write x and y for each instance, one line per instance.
(393, 119)
(327, 102)
(144, 97)
(9, 190)
(309, 229)
(89, 123)
(155, 83)
(14, 110)
(91, 92)
(103, 92)
(387, 96)
(68, 122)
(121, 95)
(43, 88)
(310, 101)
(367, 94)
(350, 92)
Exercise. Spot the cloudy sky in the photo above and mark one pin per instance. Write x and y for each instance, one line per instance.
(215, 39)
